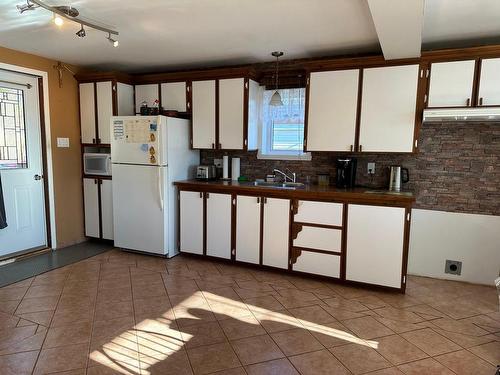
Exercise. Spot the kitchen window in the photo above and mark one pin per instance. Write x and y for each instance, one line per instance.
(282, 135)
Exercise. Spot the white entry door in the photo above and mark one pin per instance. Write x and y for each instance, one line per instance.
(21, 167)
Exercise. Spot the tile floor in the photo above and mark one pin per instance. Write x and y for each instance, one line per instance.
(122, 313)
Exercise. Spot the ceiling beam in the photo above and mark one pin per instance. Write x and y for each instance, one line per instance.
(399, 26)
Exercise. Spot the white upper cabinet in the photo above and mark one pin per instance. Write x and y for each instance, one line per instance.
(125, 95)
(254, 109)
(489, 83)
(173, 96)
(451, 84)
(333, 103)
(219, 225)
(203, 114)
(275, 237)
(87, 112)
(247, 229)
(104, 91)
(388, 107)
(231, 113)
(146, 93)
(375, 240)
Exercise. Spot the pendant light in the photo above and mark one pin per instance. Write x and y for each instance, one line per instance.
(276, 98)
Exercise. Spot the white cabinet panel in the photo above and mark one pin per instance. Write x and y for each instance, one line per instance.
(333, 103)
(104, 91)
(247, 229)
(219, 225)
(254, 109)
(191, 222)
(318, 264)
(275, 236)
(107, 209)
(375, 244)
(451, 84)
(125, 97)
(489, 83)
(388, 108)
(319, 213)
(87, 112)
(91, 207)
(231, 117)
(145, 93)
(173, 96)
(203, 114)
(319, 239)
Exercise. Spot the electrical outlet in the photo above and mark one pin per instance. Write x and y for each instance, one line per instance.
(371, 168)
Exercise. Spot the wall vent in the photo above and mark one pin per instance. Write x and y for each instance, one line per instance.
(453, 267)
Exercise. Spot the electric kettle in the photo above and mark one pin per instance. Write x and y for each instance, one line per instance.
(398, 175)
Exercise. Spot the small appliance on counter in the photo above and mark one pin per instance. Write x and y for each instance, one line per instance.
(206, 172)
(398, 175)
(346, 172)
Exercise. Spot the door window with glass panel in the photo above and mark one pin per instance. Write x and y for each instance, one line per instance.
(12, 129)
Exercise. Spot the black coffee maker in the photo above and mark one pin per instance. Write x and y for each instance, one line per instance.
(346, 172)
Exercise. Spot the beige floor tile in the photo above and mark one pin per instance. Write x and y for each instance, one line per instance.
(112, 327)
(45, 290)
(367, 327)
(203, 333)
(341, 314)
(212, 358)
(41, 317)
(69, 357)
(465, 363)
(360, 359)
(20, 339)
(426, 366)
(113, 310)
(29, 305)
(312, 315)
(256, 349)
(70, 315)
(232, 371)
(318, 363)
(246, 326)
(489, 352)
(387, 371)
(278, 366)
(398, 351)
(8, 321)
(12, 294)
(18, 363)
(296, 341)
(78, 333)
(277, 321)
(431, 342)
(263, 304)
(399, 326)
(333, 334)
(176, 363)
(399, 314)
(459, 326)
(345, 304)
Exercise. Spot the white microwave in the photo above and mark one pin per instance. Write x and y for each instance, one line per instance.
(97, 164)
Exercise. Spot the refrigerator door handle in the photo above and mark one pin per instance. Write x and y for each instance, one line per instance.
(160, 193)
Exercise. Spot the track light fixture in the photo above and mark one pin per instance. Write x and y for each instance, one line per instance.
(113, 41)
(62, 12)
(81, 33)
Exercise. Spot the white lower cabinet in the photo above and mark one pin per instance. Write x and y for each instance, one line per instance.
(219, 225)
(248, 229)
(320, 239)
(191, 222)
(275, 237)
(98, 208)
(375, 241)
(91, 206)
(318, 264)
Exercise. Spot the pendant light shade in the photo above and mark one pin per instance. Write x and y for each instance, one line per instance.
(276, 98)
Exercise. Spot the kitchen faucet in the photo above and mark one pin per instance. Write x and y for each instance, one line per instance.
(285, 176)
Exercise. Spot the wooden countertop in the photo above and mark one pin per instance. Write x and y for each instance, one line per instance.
(311, 192)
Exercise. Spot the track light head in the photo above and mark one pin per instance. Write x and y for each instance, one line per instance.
(81, 33)
(113, 41)
(24, 7)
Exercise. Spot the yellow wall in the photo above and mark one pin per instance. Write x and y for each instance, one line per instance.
(66, 162)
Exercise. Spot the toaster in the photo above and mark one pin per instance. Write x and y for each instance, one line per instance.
(206, 172)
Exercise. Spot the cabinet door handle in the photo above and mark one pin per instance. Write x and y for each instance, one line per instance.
(201, 194)
(360, 148)
(213, 145)
(351, 148)
(93, 140)
(480, 101)
(220, 146)
(258, 200)
(207, 195)
(265, 200)
(468, 102)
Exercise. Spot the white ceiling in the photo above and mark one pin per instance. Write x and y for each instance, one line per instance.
(167, 34)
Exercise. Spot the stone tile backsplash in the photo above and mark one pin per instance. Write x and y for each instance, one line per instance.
(457, 168)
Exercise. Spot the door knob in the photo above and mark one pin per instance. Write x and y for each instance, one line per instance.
(37, 177)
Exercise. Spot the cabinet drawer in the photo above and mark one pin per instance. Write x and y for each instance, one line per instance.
(318, 264)
(319, 239)
(319, 213)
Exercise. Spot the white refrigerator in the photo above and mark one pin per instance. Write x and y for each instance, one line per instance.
(149, 153)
